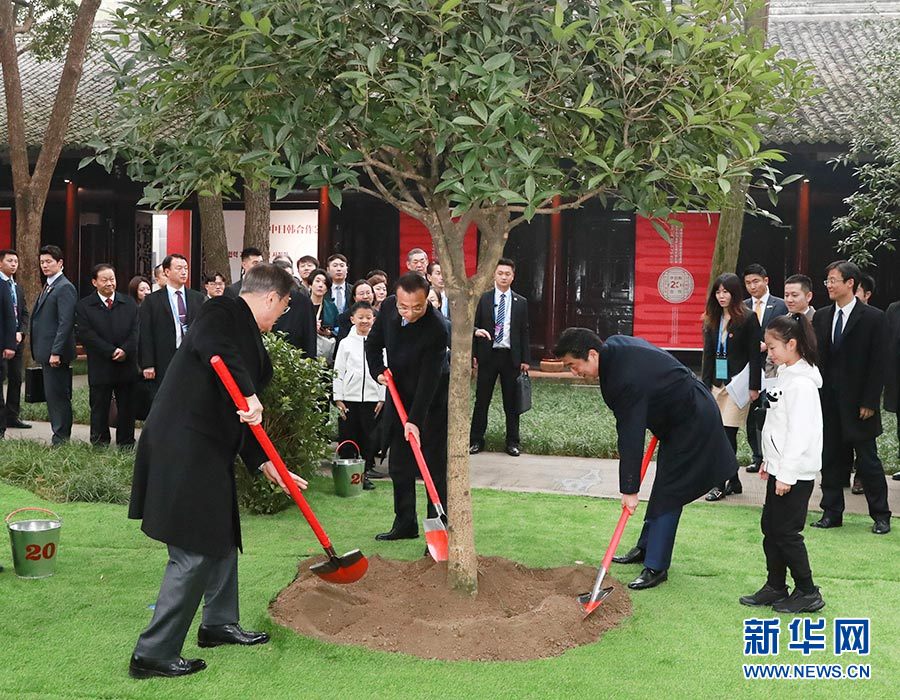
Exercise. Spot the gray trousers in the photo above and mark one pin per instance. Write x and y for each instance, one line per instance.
(190, 576)
(58, 391)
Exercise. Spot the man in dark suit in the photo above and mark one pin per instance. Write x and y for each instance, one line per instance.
(892, 369)
(106, 323)
(250, 258)
(166, 315)
(648, 389)
(766, 307)
(7, 342)
(9, 264)
(851, 339)
(184, 489)
(501, 348)
(298, 323)
(53, 341)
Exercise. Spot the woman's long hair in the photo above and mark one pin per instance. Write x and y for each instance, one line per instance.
(795, 327)
(713, 315)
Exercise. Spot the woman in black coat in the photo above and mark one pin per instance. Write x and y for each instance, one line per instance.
(731, 337)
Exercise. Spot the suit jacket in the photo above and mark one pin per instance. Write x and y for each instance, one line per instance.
(157, 328)
(183, 487)
(298, 323)
(892, 363)
(775, 307)
(53, 323)
(101, 330)
(518, 328)
(22, 314)
(853, 374)
(234, 290)
(742, 349)
(7, 319)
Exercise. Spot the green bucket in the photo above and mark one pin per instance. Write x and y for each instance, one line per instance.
(34, 543)
(348, 473)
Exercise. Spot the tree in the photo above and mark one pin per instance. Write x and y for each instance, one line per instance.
(42, 28)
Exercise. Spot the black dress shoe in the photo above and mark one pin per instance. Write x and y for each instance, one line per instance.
(19, 425)
(648, 578)
(149, 668)
(475, 448)
(827, 522)
(733, 487)
(715, 494)
(395, 534)
(800, 602)
(896, 477)
(764, 596)
(368, 485)
(882, 526)
(217, 635)
(513, 450)
(635, 555)
(857, 488)
(752, 468)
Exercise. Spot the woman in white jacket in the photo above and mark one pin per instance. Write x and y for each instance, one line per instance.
(792, 453)
(358, 397)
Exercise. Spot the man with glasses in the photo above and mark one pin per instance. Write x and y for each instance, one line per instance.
(851, 342)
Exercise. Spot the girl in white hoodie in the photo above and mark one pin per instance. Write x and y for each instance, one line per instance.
(792, 453)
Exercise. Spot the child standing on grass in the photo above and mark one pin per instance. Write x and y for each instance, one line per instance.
(358, 397)
(792, 453)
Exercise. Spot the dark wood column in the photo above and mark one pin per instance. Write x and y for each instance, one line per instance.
(324, 226)
(70, 247)
(554, 297)
(801, 256)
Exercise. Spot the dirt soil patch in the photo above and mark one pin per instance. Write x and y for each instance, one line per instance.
(405, 606)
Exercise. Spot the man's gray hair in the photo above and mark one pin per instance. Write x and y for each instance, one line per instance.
(265, 278)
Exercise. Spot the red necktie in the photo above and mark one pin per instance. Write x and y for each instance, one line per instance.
(109, 303)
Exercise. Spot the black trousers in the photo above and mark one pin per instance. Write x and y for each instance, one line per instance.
(837, 459)
(497, 363)
(755, 420)
(782, 522)
(58, 391)
(731, 434)
(100, 400)
(361, 426)
(13, 389)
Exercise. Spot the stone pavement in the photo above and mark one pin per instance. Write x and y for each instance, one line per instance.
(579, 476)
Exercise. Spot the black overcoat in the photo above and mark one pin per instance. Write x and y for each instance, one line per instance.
(157, 328)
(184, 488)
(648, 389)
(101, 330)
(852, 375)
(298, 323)
(892, 362)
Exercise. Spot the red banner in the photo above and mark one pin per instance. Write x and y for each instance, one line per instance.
(5, 228)
(414, 234)
(671, 278)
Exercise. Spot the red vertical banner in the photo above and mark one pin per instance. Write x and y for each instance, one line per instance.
(414, 234)
(671, 278)
(5, 228)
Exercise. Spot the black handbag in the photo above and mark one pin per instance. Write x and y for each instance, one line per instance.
(523, 392)
(34, 385)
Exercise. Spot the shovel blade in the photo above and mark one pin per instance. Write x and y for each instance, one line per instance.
(437, 539)
(587, 607)
(348, 568)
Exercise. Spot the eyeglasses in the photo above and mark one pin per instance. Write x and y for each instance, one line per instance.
(832, 281)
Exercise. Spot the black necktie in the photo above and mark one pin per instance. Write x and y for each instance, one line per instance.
(838, 330)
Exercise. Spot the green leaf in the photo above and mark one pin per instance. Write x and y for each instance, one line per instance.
(721, 163)
(336, 196)
(448, 6)
(586, 95)
(480, 110)
(247, 19)
(724, 185)
(494, 62)
(265, 25)
(530, 187)
(591, 112)
(465, 120)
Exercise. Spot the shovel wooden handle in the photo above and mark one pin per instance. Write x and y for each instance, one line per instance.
(218, 365)
(413, 443)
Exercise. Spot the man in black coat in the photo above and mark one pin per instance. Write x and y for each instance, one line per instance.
(184, 489)
(298, 323)
(165, 317)
(53, 341)
(501, 348)
(648, 389)
(892, 368)
(9, 265)
(851, 339)
(415, 336)
(7, 343)
(250, 257)
(106, 323)
(766, 307)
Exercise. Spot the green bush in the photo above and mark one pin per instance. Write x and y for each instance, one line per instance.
(296, 417)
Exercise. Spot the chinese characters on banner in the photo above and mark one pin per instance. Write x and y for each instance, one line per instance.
(414, 234)
(292, 232)
(671, 279)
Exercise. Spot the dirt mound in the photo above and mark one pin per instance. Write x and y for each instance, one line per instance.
(405, 606)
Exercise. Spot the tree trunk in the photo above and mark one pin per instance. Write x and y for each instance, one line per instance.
(256, 217)
(213, 242)
(29, 214)
(728, 237)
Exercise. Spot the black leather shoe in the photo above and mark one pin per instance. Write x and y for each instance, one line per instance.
(764, 596)
(217, 635)
(635, 555)
(857, 488)
(513, 450)
(799, 602)
(715, 494)
(827, 522)
(733, 487)
(475, 448)
(752, 468)
(882, 526)
(149, 668)
(648, 579)
(896, 476)
(368, 485)
(19, 425)
(395, 534)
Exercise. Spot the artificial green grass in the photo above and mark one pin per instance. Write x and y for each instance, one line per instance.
(70, 636)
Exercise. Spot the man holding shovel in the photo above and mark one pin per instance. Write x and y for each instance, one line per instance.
(648, 389)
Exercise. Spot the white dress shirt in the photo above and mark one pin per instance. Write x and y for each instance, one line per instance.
(502, 341)
(848, 309)
(173, 305)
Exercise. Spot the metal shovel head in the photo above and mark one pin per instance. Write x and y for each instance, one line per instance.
(437, 539)
(348, 568)
(587, 607)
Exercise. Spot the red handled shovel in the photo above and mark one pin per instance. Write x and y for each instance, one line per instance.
(591, 601)
(348, 568)
(436, 536)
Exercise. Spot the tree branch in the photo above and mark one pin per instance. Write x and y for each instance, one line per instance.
(15, 109)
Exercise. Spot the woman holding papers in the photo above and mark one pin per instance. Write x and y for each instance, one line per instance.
(731, 362)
